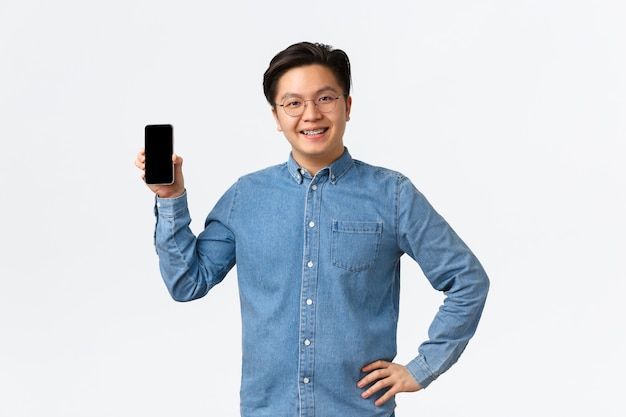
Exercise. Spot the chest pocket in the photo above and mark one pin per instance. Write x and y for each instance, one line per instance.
(355, 245)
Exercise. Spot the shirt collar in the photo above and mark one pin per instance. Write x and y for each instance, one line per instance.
(335, 170)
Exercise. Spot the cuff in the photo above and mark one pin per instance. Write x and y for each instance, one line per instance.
(420, 370)
(169, 206)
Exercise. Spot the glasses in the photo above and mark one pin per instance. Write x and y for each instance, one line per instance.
(294, 106)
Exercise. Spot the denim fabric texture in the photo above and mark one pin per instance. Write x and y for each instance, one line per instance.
(318, 268)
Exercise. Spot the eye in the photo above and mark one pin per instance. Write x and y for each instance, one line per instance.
(325, 99)
(292, 103)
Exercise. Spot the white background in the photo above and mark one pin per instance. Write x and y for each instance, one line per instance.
(508, 115)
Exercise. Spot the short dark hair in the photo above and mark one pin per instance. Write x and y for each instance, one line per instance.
(302, 54)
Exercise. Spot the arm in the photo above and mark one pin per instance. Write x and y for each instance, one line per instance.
(450, 267)
(188, 272)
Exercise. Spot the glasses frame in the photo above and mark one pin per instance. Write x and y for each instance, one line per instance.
(314, 101)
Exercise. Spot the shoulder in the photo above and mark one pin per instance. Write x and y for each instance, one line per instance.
(378, 172)
(385, 181)
(264, 174)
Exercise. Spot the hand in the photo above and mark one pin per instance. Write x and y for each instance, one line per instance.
(164, 191)
(382, 374)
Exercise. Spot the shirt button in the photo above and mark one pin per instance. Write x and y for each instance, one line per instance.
(314, 187)
(310, 264)
(311, 224)
(305, 380)
(309, 302)
(307, 342)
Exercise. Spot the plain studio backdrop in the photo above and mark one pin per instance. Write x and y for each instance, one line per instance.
(508, 115)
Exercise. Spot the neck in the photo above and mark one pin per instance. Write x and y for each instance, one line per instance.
(314, 164)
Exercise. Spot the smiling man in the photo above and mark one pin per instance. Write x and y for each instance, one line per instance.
(317, 241)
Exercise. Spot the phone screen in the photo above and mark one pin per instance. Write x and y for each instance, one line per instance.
(159, 147)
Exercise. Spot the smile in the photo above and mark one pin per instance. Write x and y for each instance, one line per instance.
(314, 132)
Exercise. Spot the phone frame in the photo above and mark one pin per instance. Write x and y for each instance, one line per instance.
(159, 147)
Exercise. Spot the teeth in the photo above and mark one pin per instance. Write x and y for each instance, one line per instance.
(314, 132)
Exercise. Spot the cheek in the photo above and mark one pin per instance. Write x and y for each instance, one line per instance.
(286, 125)
(278, 125)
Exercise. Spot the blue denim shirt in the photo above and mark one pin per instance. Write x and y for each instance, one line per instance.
(318, 264)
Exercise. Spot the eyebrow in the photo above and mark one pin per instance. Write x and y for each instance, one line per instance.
(321, 90)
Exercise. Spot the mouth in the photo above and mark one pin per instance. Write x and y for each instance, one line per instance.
(314, 132)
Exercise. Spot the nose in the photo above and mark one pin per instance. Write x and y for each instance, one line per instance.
(310, 110)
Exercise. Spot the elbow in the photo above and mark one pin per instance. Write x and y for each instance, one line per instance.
(183, 290)
(484, 284)
(183, 298)
(479, 288)
(180, 298)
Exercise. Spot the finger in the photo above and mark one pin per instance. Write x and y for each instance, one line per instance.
(178, 162)
(375, 365)
(178, 166)
(140, 160)
(385, 397)
(388, 383)
(373, 376)
(383, 381)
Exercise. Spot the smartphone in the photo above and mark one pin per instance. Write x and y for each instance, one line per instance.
(159, 147)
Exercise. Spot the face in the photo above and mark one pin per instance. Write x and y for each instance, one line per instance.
(316, 138)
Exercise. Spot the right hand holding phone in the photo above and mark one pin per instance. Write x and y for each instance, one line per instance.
(176, 189)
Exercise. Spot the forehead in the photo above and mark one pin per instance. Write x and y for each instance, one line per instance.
(307, 80)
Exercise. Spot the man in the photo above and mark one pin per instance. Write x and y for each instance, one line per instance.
(317, 241)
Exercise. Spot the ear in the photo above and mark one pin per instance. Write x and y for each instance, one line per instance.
(348, 107)
(278, 126)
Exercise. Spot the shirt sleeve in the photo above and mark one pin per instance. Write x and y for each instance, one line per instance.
(452, 268)
(190, 266)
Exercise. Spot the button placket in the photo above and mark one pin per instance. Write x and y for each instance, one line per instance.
(309, 290)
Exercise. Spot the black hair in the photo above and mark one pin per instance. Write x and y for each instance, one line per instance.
(302, 54)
